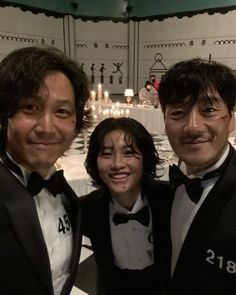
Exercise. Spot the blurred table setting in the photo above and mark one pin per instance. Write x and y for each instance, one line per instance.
(150, 117)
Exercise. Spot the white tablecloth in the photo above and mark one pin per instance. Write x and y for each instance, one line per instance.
(150, 117)
(76, 174)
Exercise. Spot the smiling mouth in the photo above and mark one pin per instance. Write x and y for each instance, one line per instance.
(44, 143)
(44, 146)
(195, 141)
(119, 176)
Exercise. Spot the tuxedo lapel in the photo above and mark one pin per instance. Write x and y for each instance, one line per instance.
(160, 199)
(72, 205)
(154, 209)
(206, 220)
(103, 232)
(24, 219)
(96, 225)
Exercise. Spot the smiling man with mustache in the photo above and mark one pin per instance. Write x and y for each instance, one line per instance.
(197, 98)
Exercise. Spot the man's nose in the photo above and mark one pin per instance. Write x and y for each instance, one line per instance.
(45, 122)
(194, 120)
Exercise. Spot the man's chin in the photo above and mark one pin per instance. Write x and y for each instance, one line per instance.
(38, 165)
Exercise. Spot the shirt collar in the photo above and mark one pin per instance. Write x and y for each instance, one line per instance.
(139, 204)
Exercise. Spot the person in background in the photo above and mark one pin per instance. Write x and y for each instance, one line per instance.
(127, 217)
(155, 82)
(198, 97)
(42, 98)
(148, 95)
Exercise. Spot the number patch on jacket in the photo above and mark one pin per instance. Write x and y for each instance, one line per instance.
(221, 262)
(64, 225)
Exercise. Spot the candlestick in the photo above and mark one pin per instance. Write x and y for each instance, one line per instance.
(93, 95)
(99, 92)
(106, 94)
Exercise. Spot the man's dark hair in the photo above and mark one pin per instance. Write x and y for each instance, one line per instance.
(136, 136)
(188, 80)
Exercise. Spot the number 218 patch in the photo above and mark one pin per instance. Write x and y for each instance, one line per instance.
(221, 262)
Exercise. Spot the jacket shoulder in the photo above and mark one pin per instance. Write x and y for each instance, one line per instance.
(160, 191)
(93, 199)
(156, 185)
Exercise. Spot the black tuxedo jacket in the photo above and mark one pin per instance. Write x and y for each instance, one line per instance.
(24, 261)
(207, 261)
(96, 225)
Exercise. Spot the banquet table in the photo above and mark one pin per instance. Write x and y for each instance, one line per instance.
(76, 174)
(150, 117)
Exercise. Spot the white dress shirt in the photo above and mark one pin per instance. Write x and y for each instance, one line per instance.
(132, 242)
(184, 210)
(56, 229)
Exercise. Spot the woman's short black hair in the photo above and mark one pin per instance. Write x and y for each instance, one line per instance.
(134, 131)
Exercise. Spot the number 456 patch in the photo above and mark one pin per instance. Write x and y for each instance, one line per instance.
(64, 225)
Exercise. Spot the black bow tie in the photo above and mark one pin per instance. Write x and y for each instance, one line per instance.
(193, 185)
(36, 183)
(142, 216)
(54, 185)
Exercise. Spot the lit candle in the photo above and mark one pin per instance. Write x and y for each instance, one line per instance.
(93, 94)
(122, 112)
(99, 86)
(117, 104)
(127, 112)
(106, 94)
(93, 108)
